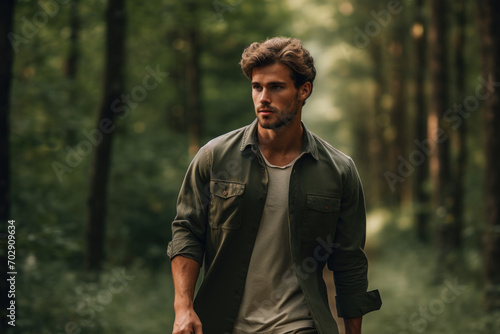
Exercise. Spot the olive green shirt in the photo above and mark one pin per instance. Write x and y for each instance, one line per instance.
(219, 210)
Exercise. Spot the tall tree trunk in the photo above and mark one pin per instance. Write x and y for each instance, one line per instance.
(377, 144)
(6, 61)
(193, 81)
(421, 197)
(176, 112)
(71, 66)
(397, 87)
(488, 16)
(113, 87)
(460, 136)
(439, 133)
(186, 115)
(74, 25)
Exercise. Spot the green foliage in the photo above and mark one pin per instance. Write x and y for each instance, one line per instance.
(56, 299)
(416, 296)
(50, 115)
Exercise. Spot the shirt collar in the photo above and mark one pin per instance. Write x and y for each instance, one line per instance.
(250, 140)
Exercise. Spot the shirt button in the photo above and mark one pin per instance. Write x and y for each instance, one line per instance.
(263, 168)
(261, 198)
(326, 207)
(224, 193)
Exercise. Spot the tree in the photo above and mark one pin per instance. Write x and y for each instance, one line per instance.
(397, 87)
(193, 80)
(185, 37)
(460, 134)
(421, 197)
(74, 25)
(488, 16)
(377, 142)
(113, 87)
(439, 129)
(6, 60)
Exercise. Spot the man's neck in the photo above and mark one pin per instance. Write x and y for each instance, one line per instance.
(281, 146)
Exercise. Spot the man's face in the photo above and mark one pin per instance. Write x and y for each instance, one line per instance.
(276, 100)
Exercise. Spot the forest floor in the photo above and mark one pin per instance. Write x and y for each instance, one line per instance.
(417, 297)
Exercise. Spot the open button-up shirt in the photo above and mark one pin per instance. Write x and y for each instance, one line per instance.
(219, 210)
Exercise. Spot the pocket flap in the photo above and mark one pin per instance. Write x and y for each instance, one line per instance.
(228, 189)
(323, 203)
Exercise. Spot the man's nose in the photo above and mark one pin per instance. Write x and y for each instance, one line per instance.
(265, 97)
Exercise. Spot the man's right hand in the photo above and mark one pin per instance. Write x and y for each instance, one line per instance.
(187, 322)
(185, 273)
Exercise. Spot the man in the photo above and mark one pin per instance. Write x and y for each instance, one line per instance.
(266, 207)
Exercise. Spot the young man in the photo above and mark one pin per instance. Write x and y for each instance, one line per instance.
(266, 207)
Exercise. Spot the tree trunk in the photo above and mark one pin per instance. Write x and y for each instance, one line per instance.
(421, 197)
(113, 87)
(71, 67)
(6, 61)
(377, 144)
(74, 25)
(460, 135)
(176, 112)
(488, 16)
(439, 134)
(397, 88)
(186, 114)
(193, 83)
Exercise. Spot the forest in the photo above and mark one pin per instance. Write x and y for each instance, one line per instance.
(103, 104)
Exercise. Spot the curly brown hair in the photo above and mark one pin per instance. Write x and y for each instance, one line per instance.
(284, 50)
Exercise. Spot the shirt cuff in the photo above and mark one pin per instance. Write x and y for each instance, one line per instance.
(357, 305)
(189, 249)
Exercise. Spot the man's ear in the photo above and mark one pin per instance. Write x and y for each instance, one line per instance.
(305, 90)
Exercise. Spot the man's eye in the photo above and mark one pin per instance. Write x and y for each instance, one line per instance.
(256, 87)
(276, 87)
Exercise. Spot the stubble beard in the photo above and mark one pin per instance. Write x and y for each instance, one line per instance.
(283, 118)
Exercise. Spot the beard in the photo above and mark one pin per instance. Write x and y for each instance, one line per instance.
(282, 118)
(281, 121)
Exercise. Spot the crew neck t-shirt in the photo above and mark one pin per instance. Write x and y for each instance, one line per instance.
(272, 300)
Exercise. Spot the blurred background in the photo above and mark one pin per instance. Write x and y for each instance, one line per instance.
(104, 103)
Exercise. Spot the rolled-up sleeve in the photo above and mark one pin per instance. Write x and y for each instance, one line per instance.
(348, 261)
(190, 224)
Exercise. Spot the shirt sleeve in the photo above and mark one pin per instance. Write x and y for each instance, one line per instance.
(348, 260)
(190, 224)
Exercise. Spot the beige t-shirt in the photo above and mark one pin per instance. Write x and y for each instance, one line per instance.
(272, 300)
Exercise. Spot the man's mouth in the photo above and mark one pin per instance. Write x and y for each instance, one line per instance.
(265, 111)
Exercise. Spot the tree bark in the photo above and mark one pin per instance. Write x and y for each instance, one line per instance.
(113, 87)
(439, 132)
(73, 55)
(186, 115)
(377, 144)
(193, 82)
(488, 16)
(6, 61)
(397, 85)
(421, 196)
(460, 136)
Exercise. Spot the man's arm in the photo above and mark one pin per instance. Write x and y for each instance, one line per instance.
(353, 325)
(187, 247)
(185, 273)
(348, 260)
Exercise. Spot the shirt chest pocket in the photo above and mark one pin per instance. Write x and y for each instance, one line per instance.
(226, 205)
(320, 217)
